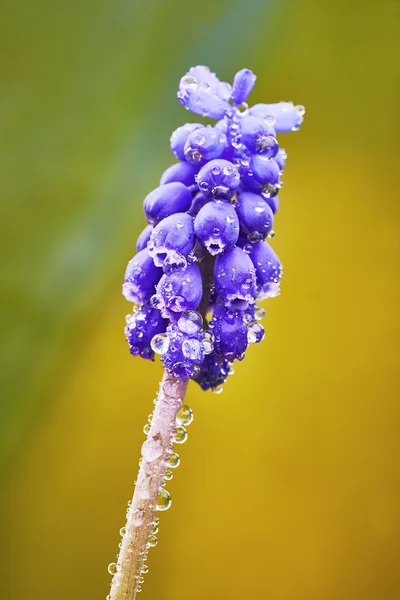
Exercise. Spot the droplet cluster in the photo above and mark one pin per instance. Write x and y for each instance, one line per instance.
(203, 261)
(135, 516)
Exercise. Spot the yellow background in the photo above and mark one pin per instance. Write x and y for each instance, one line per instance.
(289, 483)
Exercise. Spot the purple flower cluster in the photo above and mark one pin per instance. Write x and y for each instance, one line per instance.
(203, 260)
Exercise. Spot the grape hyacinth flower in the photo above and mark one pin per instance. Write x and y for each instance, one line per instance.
(202, 266)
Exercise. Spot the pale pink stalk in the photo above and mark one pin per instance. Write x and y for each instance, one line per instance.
(141, 513)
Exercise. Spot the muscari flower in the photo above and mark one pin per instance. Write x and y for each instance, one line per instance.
(204, 248)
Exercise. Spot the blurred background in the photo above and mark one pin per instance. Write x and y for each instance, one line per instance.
(289, 483)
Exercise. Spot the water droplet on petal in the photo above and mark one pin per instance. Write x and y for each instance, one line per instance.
(190, 322)
(255, 333)
(160, 343)
(112, 568)
(243, 109)
(259, 313)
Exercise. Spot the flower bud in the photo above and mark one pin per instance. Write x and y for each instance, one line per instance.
(255, 216)
(141, 277)
(140, 329)
(243, 84)
(178, 291)
(143, 238)
(204, 144)
(217, 227)
(179, 137)
(183, 172)
(218, 179)
(268, 270)
(172, 240)
(166, 200)
(287, 116)
(235, 279)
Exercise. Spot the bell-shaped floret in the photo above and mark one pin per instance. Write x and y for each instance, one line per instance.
(172, 240)
(141, 277)
(217, 227)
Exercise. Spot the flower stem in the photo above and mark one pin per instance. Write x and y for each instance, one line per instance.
(142, 510)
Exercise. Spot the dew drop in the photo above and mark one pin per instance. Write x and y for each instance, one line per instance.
(144, 569)
(112, 568)
(181, 435)
(204, 186)
(154, 528)
(243, 108)
(168, 475)
(146, 429)
(218, 389)
(216, 170)
(270, 120)
(173, 460)
(259, 313)
(160, 343)
(190, 322)
(164, 500)
(184, 415)
(122, 531)
(188, 83)
(255, 333)
(204, 86)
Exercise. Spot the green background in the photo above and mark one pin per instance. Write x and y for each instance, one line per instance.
(289, 484)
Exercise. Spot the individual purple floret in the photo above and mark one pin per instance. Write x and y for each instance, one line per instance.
(258, 136)
(166, 200)
(140, 329)
(243, 84)
(260, 174)
(287, 116)
(268, 270)
(141, 277)
(198, 202)
(213, 372)
(172, 240)
(205, 250)
(143, 238)
(235, 278)
(202, 93)
(218, 179)
(183, 172)
(255, 216)
(217, 227)
(179, 137)
(178, 291)
(230, 328)
(204, 144)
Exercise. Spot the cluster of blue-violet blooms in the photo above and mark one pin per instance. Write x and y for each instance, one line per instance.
(203, 261)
